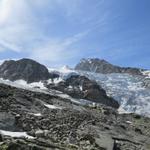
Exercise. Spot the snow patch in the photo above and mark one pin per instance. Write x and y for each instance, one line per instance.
(146, 73)
(23, 84)
(64, 69)
(70, 87)
(16, 134)
(129, 122)
(52, 106)
(31, 85)
(54, 81)
(81, 88)
(122, 111)
(38, 115)
(64, 72)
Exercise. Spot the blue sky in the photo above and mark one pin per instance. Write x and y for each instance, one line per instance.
(59, 32)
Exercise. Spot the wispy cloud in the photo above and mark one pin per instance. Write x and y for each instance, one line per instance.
(58, 50)
(7, 45)
(24, 27)
(56, 31)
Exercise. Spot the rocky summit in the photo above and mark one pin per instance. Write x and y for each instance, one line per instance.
(51, 110)
(102, 66)
(25, 69)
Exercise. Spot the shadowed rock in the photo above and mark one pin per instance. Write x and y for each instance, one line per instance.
(25, 69)
(81, 87)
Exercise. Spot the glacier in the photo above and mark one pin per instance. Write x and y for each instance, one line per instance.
(127, 89)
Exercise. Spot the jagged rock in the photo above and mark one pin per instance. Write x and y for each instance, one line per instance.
(101, 66)
(146, 82)
(125, 144)
(138, 130)
(25, 69)
(83, 88)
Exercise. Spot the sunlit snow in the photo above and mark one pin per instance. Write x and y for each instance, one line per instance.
(52, 106)
(146, 73)
(128, 90)
(16, 134)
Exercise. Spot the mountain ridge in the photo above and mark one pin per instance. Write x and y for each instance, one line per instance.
(70, 110)
(102, 66)
(32, 71)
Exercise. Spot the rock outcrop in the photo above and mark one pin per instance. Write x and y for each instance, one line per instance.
(82, 88)
(101, 66)
(25, 69)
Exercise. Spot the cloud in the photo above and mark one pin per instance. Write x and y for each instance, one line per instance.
(6, 46)
(58, 50)
(14, 12)
(4, 11)
(16, 24)
(70, 7)
(41, 29)
(23, 28)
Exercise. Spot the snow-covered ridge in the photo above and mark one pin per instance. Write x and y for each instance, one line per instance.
(146, 73)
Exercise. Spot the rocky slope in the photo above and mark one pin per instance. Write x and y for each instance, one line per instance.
(101, 66)
(47, 120)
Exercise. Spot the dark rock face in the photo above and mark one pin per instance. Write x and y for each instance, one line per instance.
(101, 66)
(83, 88)
(26, 69)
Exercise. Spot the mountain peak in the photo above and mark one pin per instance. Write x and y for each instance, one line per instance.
(93, 60)
(102, 66)
(25, 69)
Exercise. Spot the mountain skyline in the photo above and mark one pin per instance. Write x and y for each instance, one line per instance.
(60, 32)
